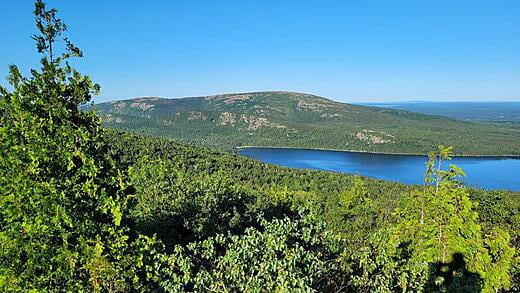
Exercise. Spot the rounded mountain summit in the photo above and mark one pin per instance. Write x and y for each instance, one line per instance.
(289, 119)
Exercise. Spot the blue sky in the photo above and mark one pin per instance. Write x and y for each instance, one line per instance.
(350, 51)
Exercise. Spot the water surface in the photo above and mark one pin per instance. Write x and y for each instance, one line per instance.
(482, 172)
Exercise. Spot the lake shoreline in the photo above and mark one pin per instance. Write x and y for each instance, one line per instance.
(484, 172)
(374, 153)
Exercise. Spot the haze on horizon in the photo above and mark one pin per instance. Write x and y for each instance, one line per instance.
(370, 51)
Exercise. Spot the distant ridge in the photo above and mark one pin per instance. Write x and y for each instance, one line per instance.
(496, 111)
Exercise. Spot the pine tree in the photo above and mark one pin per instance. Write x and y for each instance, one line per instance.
(440, 222)
(62, 202)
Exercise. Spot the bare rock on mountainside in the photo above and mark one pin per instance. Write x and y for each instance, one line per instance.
(371, 137)
(227, 118)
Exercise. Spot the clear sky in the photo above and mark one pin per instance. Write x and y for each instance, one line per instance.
(351, 51)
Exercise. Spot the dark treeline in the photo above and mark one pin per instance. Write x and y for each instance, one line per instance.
(83, 208)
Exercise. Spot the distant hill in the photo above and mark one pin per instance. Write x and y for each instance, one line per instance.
(291, 119)
(498, 112)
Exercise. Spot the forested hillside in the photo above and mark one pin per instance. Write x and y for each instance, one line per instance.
(287, 119)
(368, 220)
(86, 209)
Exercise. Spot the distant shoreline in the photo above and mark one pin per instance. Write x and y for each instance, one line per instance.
(372, 152)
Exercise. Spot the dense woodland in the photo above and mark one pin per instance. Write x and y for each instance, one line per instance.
(83, 208)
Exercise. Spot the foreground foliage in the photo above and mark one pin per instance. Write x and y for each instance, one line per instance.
(378, 235)
(85, 209)
(62, 198)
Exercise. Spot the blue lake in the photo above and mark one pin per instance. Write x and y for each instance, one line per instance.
(482, 172)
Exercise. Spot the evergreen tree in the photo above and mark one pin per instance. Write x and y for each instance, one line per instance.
(440, 222)
(62, 202)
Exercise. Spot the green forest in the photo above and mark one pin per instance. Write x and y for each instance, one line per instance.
(85, 208)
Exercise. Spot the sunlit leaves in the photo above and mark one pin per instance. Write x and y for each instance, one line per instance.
(62, 202)
(275, 258)
(440, 221)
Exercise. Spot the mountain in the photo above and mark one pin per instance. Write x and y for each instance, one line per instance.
(289, 119)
